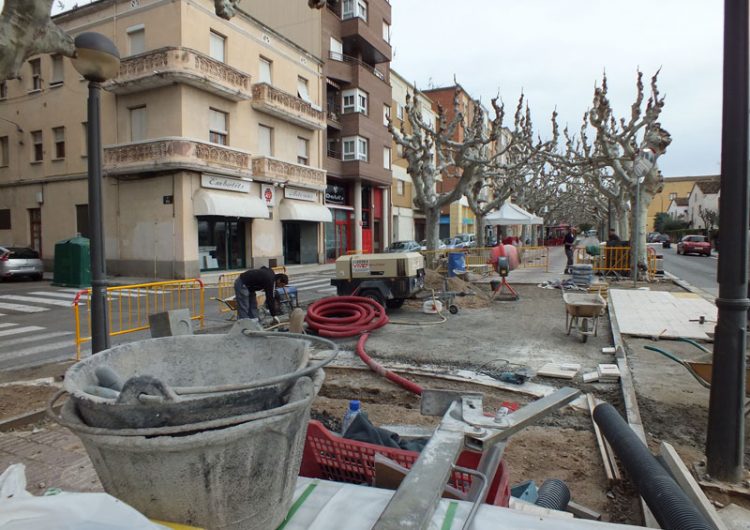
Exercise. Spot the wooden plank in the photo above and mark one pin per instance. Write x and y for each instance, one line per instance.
(583, 512)
(689, 485)
(600, 441)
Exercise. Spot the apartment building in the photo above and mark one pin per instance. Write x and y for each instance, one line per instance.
(458, 217)
(408, 222)
(673, 188)
(213, 144)
(353, 39)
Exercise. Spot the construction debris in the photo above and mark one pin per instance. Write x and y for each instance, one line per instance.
(559, 370)
(608, 373)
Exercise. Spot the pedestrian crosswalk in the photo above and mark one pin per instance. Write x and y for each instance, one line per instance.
(22, 345)
(37, 301)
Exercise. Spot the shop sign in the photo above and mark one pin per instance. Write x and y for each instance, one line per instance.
(300, 195)
(268, 194)
(224, 183)
(335, 194)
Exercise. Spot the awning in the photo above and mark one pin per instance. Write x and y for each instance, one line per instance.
(291, 210)
(512, 214)
(226, 204)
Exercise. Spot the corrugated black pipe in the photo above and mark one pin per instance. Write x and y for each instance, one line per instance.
(553, 494)
(669, 504)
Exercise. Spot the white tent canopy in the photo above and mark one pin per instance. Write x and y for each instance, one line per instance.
(512, 214)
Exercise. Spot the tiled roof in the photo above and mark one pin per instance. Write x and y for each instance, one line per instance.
(681, 201)
(709, 188)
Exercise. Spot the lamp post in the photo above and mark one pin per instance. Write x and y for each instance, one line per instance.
(97, 60)
(644, 162)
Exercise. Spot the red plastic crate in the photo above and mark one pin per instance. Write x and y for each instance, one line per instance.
(331, 457)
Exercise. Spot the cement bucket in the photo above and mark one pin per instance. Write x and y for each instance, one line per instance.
(239, 477)
(191, 378)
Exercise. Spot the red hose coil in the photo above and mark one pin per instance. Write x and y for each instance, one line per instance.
(348, 316)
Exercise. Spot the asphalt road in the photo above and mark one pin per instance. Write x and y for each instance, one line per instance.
(698, 271)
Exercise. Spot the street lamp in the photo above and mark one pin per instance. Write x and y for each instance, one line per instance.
(96, 59)
(644, 162)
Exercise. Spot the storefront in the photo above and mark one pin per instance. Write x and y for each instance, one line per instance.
(301, 213)
(338, 232)
(224, 208)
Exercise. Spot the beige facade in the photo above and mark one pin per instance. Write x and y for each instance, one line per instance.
(212, 136)
(674, 187)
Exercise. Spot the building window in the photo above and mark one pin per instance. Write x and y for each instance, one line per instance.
(400, 187)
(264, 71)
(36, 142)
(303, 151)
(354, 8)
(3, 89)
(136, 39)
(58, 133)
(355, 148)
(36, 74)
(672, 196)
(386, 158)
(386, 32)
(399, 111)
(5, 219)
(4, 152)
(57, 70)
(85, 139)
(138, 124)
(386, 114)
(337, 50)
(302, 89)
(354, 100)
(265, 140)
(218, 127)
(82, 220)
(217, 46)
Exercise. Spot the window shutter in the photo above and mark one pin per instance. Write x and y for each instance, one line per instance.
(337, 50)
(264, 71)
(302, 89)
(137, 41)
(138, 124)
(217, 46)
(264, 140)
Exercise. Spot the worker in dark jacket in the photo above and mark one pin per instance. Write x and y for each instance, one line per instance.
(252, 280)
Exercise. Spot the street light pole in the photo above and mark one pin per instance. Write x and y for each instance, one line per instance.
(725, 441)
(97, 60)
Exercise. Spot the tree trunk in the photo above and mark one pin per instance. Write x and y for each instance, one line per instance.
(432, 231)
(479, 230)
(640, 231)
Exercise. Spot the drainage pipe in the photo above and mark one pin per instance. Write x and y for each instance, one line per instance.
(553, 494)
(669, 504)
(349, 316)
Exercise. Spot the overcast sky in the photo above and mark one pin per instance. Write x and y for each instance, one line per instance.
(556, 50)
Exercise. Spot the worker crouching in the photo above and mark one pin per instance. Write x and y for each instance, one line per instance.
(252, 280)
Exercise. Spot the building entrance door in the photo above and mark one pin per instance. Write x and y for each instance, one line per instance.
(337, 235)
(35, 224)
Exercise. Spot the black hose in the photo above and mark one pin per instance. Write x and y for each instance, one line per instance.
(669, 504)
(553, 494)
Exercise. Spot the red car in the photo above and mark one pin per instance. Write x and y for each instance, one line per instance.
(695, 245)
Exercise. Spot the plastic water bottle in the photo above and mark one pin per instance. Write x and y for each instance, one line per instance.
(351, 413)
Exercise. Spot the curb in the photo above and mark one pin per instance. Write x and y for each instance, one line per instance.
(690, 288)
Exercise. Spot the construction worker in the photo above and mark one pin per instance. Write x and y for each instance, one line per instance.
(569, 242)
(252, 280)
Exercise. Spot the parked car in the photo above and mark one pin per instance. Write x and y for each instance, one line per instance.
(20, 261)
(423, 244)
(653, 237)
(694, 244)
(404, 246)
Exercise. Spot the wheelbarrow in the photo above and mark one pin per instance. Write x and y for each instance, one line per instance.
(700, 368)
(582, 311)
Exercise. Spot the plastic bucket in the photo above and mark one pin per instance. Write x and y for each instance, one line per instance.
(240, 477)
(456, 262)
(260, 367)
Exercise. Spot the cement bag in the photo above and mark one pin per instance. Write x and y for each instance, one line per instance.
(19, 510)
(512, 253)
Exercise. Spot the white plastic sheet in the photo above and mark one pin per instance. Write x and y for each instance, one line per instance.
(19, 510)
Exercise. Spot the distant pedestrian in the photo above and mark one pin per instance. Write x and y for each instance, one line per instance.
(568, 241)
(252, 280)
(613, 237)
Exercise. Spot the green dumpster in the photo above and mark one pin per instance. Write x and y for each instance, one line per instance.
(72, 263)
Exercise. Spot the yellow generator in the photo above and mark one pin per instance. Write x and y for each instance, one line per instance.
(389, 279)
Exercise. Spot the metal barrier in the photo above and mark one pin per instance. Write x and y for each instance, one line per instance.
(128, 306)
(226, 287)
(534, 257)
(614, 260)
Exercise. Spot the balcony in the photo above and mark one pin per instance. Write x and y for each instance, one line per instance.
(345, 72)
(273, 170)
(170, 65)
(290, 108)
(165, 154)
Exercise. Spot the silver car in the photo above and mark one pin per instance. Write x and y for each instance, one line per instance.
(20, 261)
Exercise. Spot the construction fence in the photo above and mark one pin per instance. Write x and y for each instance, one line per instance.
(129, 306)
(478, 258)
(615, 260)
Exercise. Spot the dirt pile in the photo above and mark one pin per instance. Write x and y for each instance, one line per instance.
(474, 295)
